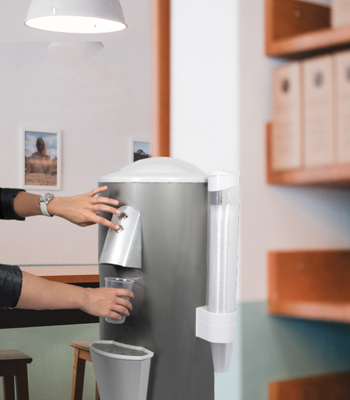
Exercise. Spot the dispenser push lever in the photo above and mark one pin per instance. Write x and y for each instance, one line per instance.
(123, 246)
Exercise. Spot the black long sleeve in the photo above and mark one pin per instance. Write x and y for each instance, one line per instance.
(10, 285)
(10, 275)
(7, 210)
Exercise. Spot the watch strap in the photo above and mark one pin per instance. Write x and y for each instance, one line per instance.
(43, 201)
(43, 208)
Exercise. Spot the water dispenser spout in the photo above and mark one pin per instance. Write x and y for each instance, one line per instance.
(123, 247)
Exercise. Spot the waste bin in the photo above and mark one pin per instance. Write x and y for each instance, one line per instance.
(121, 370)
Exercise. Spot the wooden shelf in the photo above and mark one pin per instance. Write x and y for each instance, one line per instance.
(310, 284)
(337, 175)
(312, 43)
(296, 29)
(328, 386)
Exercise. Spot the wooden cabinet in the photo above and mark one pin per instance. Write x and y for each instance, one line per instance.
(336, 175)
(298, 29)
(309, 284)
(331, 387)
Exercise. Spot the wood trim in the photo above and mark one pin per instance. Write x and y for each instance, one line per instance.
(311, 284)
(73, 278)
(328, 386)
(335, 175)
(310, 43)
(65, 273)
(161, 78)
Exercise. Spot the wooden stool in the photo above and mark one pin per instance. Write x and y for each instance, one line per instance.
(81, 355)
(13, 364)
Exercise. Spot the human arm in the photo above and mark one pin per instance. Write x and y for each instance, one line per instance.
(82, 210)
(38, 293)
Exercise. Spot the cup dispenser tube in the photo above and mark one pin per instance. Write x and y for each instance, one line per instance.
(216, 322)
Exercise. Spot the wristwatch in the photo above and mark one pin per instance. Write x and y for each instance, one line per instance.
(43, 200)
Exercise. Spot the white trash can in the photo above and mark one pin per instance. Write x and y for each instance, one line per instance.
(121, 370)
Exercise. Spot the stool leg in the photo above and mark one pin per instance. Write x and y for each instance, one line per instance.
(22, 382)
(9, 387)
(78, 377)
(97, 393)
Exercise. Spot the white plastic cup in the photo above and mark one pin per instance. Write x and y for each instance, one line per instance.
(119, 283)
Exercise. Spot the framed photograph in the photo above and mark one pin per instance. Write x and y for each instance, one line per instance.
(41, 159)
(140, 148)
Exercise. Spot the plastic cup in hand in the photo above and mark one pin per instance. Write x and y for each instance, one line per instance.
(119, 283)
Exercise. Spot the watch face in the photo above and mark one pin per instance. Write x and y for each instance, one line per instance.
(46, 197)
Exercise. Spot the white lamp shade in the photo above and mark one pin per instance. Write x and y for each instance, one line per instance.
(76, 16)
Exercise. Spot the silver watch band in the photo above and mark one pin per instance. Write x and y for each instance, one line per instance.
(43, 201)
(43, 208)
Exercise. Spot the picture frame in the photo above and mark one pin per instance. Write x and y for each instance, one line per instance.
(41, 159)
(140, 148)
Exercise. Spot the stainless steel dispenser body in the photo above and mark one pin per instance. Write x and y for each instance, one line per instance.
(168, 288)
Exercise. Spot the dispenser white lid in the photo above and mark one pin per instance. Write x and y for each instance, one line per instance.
(157, 170)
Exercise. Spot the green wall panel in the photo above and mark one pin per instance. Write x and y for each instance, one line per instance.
(277, 348)
(50, 373)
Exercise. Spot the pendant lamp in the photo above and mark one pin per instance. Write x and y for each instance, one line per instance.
(76, 16)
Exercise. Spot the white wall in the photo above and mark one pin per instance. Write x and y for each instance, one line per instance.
(204, 83)
(98, 93)
(205, 105)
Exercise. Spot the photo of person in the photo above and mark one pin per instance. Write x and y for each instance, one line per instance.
(141, 150)
(41, 154)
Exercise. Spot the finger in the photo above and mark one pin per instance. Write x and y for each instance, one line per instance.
(122, 310)
(83, 224)
(125, 303)
(125, 292)
(103, 221)
(105, 200)
(105, 208)
(113, 314)
(98, 190)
